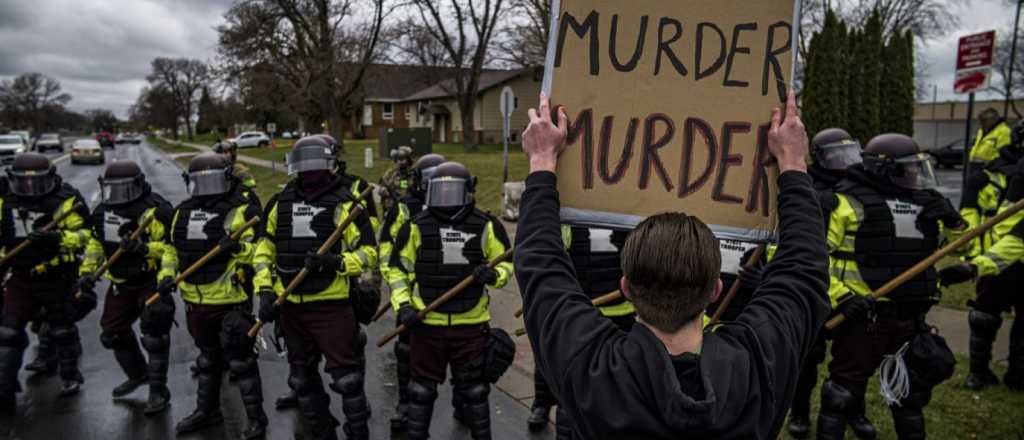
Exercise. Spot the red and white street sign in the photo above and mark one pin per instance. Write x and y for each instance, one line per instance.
(974, 62)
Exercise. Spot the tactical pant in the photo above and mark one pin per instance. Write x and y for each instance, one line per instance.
(542, 392)
(122, 306)
(809, 377)
(327, 328)
(996, 295)
(25, 296)
(219, 332)
(857, 351)
(432, 350)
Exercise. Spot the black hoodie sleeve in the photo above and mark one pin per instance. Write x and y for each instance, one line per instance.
(560, 320)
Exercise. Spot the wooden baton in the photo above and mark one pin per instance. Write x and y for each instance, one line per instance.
(205, 258)
(599, 301)
(46, 228)
(119, 252)
(357, 208)
(935, 257)
(735, 288)
(466, 282)
(381, 311)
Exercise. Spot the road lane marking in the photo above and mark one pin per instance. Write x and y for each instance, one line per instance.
(62, 158)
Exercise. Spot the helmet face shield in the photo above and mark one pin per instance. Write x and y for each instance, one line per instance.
(309, 158)
(119, 191)
(914, 172)
(208, 182)
(448, 192)
(838, 156)
(32, 183)
(422, 179)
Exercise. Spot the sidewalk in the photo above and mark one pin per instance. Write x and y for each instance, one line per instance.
(518, 382)
(204, 149)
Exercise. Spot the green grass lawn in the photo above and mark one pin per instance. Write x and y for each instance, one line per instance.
(954, 412)
(169, 147)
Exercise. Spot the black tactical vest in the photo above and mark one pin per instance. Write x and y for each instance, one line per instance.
(112, 223)
(303, 226)
(415, 205)
(595, 255)
(448, 253)
(30, 214)
(198, 229)
(887, 241)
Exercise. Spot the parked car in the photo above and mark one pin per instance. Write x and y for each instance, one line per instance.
(250, 139)
(128, 138)
(287, 135)
(24, 135)
(87, 150)
(49, 141)
(11, 145)
(949, 155)
(106, 140)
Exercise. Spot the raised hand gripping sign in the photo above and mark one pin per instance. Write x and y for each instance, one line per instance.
(669, 104)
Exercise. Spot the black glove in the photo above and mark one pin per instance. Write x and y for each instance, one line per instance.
(46, 238)
(321, 263)
(135, 247)
(407, 316)
(750, 277)
(485, 274)
(938, 209)
(957, 273)
(166, 287)
(86, 284)
(229, 246)
(269, 312)
(856, 306)
(82, 305)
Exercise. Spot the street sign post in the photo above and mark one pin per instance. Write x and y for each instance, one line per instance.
(272, 129)
(973, 73)
(508, 105)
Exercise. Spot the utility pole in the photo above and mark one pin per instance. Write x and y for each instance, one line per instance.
(1013, 59)
(935, 103)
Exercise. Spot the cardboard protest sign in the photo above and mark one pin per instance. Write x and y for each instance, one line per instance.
(668, 105)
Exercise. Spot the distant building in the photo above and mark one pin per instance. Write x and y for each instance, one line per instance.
(939, 124)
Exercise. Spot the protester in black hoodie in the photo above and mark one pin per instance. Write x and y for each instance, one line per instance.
(667, 378)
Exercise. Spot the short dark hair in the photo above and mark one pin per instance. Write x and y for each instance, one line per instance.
(672, 262)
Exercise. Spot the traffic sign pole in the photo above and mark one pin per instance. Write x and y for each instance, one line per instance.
(967, 143)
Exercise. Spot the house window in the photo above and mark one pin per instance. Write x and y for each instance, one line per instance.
(388, 111)
(367, 115)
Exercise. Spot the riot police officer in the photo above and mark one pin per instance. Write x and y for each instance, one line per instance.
(216, 305)
(128, 201)
(410, 204)
(436, 249)
(995, 257)
(886, 218)
(42, 275)
(318, 318)
(241, 172)
(396, 180)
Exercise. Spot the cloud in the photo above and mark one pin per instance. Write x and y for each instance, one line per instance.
(100, 50)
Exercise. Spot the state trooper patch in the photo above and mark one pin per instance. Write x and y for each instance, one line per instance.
(453, 241)
(904, 218)
(24, 222)
(197, 220)
(601, 240)
(112, 227)
(302, 219)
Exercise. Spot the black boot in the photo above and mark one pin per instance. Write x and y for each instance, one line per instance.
(563, 429)
(287, 400)
(158, 348)
(133, 363)
(909, 423)
(354, 404)
(859, 423)
(1014, 378)
(65, 337)
(313, 402)
(45, 361)
(476, 408)
(251, 389)
(543, 400)
(422, 394)
(984, 327)
(402, 370)
(799, 425)
(836, 402)
(208, 382)
(12, 347)
(538, 417)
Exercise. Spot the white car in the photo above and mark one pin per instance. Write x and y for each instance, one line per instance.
(11, 145)
(87, 150)
(250, 139)
(49, 141)
(128, 138)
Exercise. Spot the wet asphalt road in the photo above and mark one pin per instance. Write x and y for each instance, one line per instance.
(94, 415)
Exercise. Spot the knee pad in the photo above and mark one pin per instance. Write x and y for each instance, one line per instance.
(157, 319)
(63, 334)
(209, 362)
(156, 344)
(983, 322)
(243, 367)
(301, 378)
(836, 398)
(918, 397)
(477, 392)
(349, 383)
(118, 341)
(422, 391)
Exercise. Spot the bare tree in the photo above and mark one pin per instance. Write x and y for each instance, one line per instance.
(524, 42)
(29, 98)
(465, 29)
(183, 78)
(155, 107)
(1001, 64)
(320, 48)
(102, 119)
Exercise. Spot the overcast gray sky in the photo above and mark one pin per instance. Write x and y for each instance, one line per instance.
(100, 49)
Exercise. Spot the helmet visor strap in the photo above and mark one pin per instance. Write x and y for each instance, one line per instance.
(117, 191)
(447, 192)
(208, 182)
(839, 156)
(914, 172)
(31, 183)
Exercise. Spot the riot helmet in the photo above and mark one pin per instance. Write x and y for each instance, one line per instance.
(122, 182)
(335, 150)
(402, 156)
(897, 158)
(32, 175)
(423, 170)
(311, 153)
(227, 149)
(209, 174)
(450, 186)
(834, 149)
